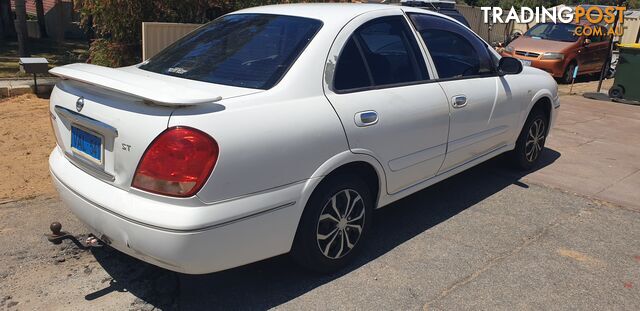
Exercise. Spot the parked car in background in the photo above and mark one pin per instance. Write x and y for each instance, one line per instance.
(446, 7)
(281, 128)
(555, 49)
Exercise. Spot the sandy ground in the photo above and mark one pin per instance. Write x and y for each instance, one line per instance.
(25, 144)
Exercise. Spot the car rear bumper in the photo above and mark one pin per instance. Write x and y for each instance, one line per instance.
(225, 243)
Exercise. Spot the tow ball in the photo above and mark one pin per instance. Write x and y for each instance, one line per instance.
(57, 236)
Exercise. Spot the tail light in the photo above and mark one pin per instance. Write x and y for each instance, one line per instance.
(177, 163)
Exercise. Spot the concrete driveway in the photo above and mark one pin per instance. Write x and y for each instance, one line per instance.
(599, 144)
(488, 238)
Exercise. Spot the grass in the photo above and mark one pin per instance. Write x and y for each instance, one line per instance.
(56, 53)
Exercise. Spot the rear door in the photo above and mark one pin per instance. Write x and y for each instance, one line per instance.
(481, 116)
(378, 82)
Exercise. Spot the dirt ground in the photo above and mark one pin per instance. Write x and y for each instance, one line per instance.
(25, 144)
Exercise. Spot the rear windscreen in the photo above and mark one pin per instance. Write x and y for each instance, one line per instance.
(245, 50)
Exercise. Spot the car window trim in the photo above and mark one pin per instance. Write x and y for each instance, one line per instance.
(494, 69)
(357, 40)
(372, 85)
(384, 86)
(414, 58)
(412, 83)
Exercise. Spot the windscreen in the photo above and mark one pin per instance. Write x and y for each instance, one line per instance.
(554, 32)
(244, 50)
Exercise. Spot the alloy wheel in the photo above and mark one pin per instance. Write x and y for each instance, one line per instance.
(340, 224)
(535, 140)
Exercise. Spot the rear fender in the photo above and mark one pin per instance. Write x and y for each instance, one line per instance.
(339, 160)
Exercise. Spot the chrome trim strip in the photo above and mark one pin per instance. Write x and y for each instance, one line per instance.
(95, 125)
(206, 228)
(88, 168)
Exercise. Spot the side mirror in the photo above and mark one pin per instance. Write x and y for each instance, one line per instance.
(586, 42)
(509, 66)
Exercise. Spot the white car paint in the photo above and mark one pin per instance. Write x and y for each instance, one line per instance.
(276, 145)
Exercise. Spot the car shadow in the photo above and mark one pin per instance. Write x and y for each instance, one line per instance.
(274, 281)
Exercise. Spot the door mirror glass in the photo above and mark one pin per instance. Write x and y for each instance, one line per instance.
(586, 42)
(509, 66)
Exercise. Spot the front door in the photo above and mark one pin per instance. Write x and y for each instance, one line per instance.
(481, 117)
(382, 92)
(595, 54)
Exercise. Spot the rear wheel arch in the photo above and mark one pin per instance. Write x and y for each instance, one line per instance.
(364, 167)
(357, 177)
(362, 170)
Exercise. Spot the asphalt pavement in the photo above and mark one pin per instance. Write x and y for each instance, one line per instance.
(482, 240)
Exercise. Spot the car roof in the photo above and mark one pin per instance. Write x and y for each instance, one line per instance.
(329, 12)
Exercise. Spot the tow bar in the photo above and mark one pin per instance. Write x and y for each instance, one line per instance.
(57, 236)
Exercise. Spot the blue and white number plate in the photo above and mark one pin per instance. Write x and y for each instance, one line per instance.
(86, 144)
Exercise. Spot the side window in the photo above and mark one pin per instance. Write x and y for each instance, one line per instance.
(384, 52)
(351, 72)
(455, 50)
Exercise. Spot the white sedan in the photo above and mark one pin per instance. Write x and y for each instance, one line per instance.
(281, 128)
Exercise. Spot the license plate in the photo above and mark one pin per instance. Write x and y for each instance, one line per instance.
(526, 62)
(86, 144)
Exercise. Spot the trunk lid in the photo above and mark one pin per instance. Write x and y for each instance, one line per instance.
(104, 119)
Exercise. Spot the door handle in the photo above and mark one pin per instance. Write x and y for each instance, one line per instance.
(459, 101)
(366, 118)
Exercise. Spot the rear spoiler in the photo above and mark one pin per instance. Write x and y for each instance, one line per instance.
(146, 87)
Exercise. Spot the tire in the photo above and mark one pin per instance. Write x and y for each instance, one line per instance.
(530, 143)
(567, 77)
(333, 252)
(616, 92)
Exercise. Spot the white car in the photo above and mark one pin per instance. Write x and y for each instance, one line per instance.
(279, 129)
